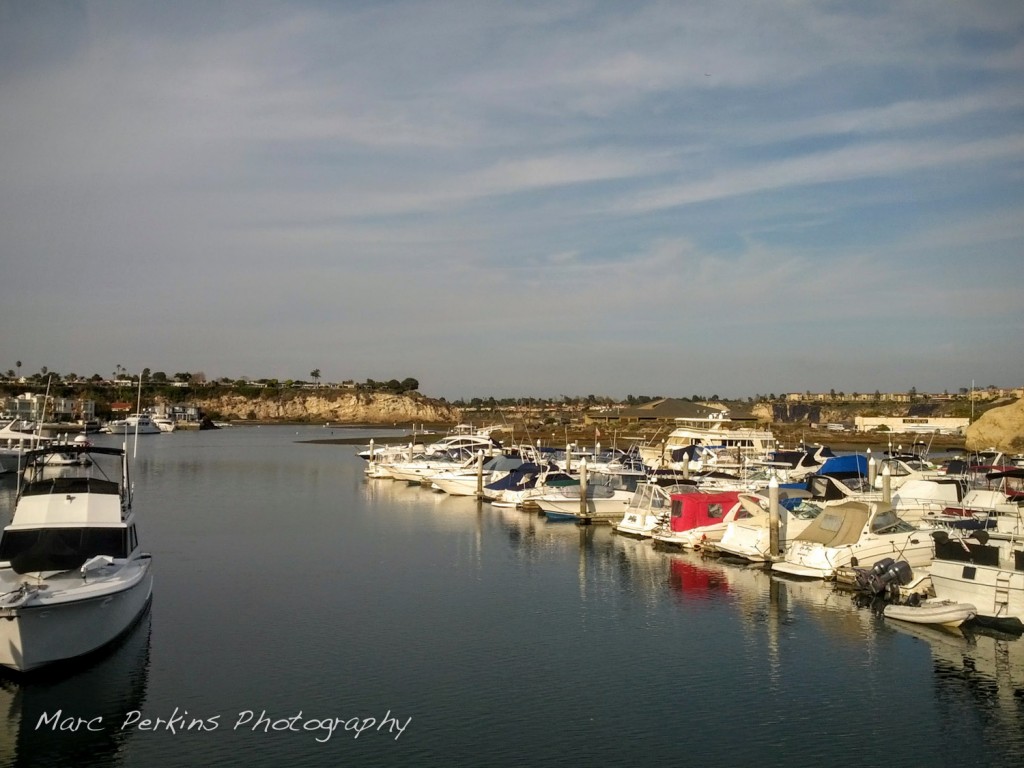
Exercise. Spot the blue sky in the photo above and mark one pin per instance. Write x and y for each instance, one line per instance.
(524, 198)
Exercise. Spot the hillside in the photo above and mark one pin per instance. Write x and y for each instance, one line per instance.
(328, 406)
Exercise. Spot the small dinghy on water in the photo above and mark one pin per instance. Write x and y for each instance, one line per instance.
(944, 613)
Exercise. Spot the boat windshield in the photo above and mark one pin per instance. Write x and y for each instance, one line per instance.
(805, 510)
(60, 549)
(888, 522)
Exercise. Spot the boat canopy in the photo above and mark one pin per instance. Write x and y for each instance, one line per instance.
(794, 459)
(838, 526)
(503, 463)
(689, 453)
(944, 490)
(817, 487)
(520, 477)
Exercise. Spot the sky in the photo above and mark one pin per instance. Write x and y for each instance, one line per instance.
(513, 199)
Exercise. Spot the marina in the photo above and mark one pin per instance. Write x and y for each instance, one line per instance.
(292, 592)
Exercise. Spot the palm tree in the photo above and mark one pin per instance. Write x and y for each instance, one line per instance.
(315, 375)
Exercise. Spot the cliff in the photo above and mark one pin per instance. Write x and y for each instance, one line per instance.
(1000, 428)
(330, 406)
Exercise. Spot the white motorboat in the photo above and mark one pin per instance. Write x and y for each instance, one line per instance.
(15, 443)
(164, 423)
(463, 438)
(850, 533)
(464, 480)
(607, 495)
(750, 538)
(649, 508)
(566, 503)
(72, 575)
(980, 509)
(528, 481)
(986, 570)
(921, 498)
(135, 424)
(422, 465)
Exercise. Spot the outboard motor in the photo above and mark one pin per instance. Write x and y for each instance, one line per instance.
(887, 576)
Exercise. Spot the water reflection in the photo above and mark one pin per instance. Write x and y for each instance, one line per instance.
(108, 686)
(979, 681)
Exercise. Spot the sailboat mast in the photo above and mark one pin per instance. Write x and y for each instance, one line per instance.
(138, 416)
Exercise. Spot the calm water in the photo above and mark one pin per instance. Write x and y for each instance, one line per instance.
(289, 587)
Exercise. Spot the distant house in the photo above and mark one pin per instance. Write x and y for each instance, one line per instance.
(32, 407)
(120, 407)
(185, 414)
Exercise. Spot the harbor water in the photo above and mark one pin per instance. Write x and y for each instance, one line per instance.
(304, 615)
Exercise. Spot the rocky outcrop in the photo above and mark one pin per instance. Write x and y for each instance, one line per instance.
(1000, 428)
(788, 412)
(334, 407)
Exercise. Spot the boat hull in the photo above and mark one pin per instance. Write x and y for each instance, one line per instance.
(568, 508)
(812, 560)
(996, 591)
(36, 635)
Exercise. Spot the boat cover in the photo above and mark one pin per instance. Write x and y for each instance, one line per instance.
(854, 465)
(837, 526)
(693, 510)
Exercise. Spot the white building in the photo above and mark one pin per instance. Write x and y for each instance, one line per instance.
(900, 424)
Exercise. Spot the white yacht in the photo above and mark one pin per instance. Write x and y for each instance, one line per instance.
(700, 444)
(985, 571)
(135, 424)
(13, 445)
(72, 575)
(463, 481)
(853, 533)
(164, 423)
(523, 484)
(464, 438)
(750, 539)
(649, 508)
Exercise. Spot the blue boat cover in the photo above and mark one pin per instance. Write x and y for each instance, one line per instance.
(855, 465)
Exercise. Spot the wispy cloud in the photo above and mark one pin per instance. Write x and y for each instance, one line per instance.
(669, 182)
(881, 159)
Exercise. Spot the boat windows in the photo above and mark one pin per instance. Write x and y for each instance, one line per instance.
(70, 485)
(715, 511)
(831, 522)
(60, 549)
(967, 552)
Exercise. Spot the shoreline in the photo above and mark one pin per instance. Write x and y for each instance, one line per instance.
(788, 437)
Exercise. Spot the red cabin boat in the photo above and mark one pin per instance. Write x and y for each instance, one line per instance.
(697, 518)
